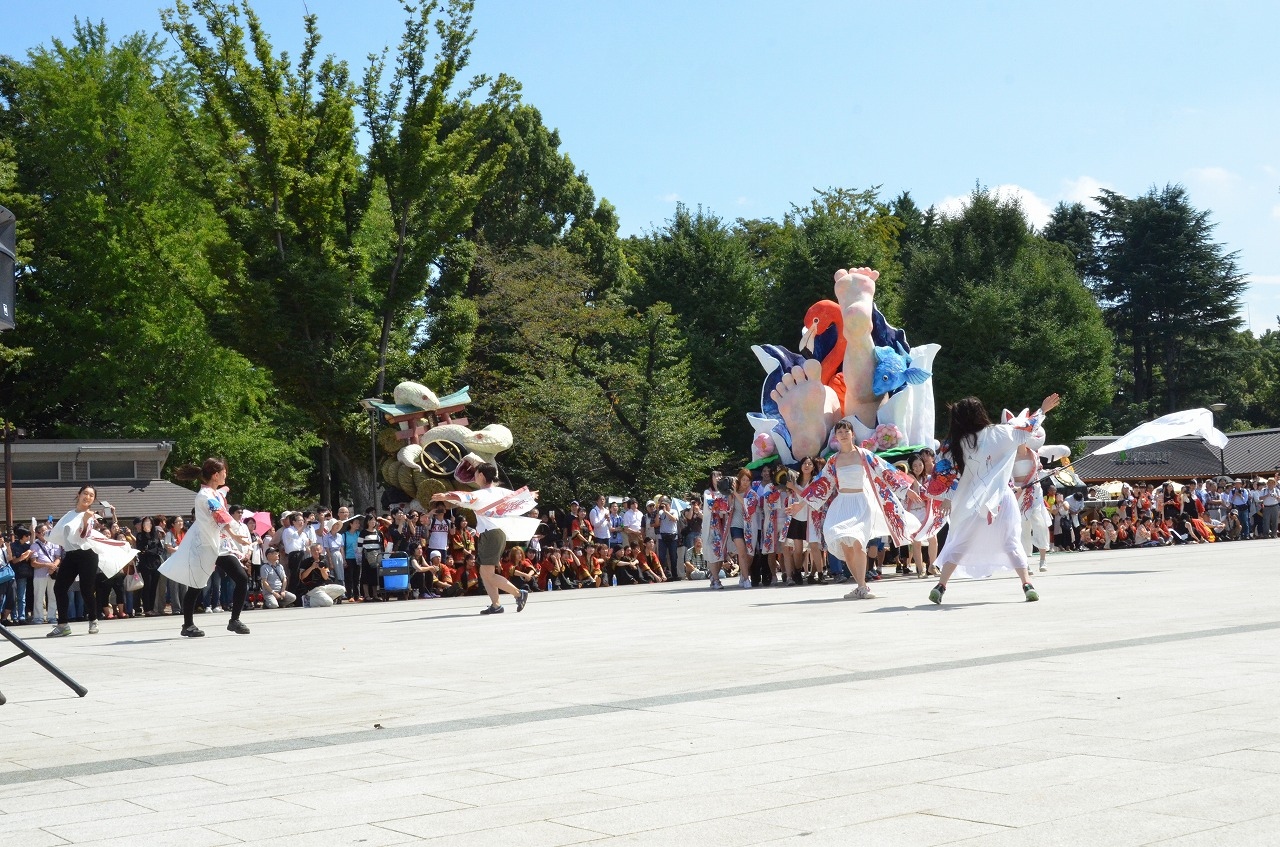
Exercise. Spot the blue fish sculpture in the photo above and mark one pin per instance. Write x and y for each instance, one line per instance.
(893, 371)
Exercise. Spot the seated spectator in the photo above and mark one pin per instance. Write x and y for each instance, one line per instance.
(447, 581)
(695, 563)
(468, 577)
(650, 564)
(316, 579)
(623, 570)
(273, 578)
(424, 571)
(520, 570)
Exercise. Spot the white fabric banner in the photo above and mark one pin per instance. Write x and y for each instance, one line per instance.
(1176, 425)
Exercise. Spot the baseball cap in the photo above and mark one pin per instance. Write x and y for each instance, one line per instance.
(435, 554)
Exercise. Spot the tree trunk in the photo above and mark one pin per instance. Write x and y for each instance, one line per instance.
(355, 465)
(326, 477)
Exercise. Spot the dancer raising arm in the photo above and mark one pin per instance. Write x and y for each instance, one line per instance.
(986, 523)
(215, 542)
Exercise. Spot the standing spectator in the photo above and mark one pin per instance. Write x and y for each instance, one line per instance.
(19, 556)
(150, 544)
(351, 556)
(668, 527)
(1238, 500)
(294, 545)
(1270, 499)
(615, 525)
(334, 546)
(633, 523)
(600, 523)
(437, 522)
(370, 558)
(1075, 505)
(45, 559)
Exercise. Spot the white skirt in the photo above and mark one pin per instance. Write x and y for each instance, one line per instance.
(849, 518)
(978, 548)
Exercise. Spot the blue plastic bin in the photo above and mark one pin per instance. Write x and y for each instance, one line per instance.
(394, 571)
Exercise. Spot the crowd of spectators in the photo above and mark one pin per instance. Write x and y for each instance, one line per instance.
(1156, 515)
(318, 557)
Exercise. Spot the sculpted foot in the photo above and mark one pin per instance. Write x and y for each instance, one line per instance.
(809, 408)
(855, 291)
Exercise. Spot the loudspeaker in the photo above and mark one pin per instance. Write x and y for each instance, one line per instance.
(8, 244)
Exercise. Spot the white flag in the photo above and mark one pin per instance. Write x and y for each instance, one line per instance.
(1190, 422)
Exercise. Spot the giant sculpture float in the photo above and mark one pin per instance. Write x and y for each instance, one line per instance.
(428, 447)
(851, 364)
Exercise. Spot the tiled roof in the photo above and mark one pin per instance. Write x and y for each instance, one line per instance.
(1247, 454)
(131, 499)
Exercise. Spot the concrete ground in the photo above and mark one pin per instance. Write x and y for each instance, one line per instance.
(1137, 703)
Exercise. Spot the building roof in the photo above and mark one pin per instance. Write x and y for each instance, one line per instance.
(1247, 454)
(131, 499)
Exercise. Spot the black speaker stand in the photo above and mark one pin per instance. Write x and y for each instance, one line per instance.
(39, 660)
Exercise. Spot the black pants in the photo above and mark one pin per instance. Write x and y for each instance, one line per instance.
(351, 576)
(230, 567)
(293, 568)
(83, 564)
(150, 579)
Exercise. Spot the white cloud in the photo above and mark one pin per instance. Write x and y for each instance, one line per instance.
(1213, 177)
(1037, 209)
(743, 201)
(670, 198)
(1275, 211)
(1264, 279)
(1083, 190)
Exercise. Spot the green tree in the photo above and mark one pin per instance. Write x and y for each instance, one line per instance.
(598, 392)
(116, 273)
(1170, 294)
(327, 262)
(1014, 321)
(705, 274)
(1071, 226)
(538, 198)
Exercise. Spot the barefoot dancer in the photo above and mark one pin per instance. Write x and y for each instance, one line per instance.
(985, 519)
(498, 512)
(857, 492)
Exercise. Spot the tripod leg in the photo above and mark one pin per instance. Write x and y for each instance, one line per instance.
(42, 662)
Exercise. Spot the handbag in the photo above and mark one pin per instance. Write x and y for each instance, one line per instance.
(132, 582)
(6, 573)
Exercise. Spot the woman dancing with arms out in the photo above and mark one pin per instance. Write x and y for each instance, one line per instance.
(498, 518)
(858, 494)
(986, 523)
(87, 552)
(215, 542)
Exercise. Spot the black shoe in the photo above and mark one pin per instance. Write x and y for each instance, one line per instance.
(491, 610)
(521, 600)
(238, 627)
(193, 631)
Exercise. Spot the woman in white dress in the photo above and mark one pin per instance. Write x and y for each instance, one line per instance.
(215, 542)
(986, 523)
(855, 510)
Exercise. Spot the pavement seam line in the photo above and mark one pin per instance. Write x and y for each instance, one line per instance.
(511, 719)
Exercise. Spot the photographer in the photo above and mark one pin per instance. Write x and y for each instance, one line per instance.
(273, 578)
(315, 577)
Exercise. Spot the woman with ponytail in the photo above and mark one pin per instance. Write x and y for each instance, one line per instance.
(213, 542)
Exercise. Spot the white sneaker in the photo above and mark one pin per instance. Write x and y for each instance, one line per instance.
(216, 609)
(93, 627)
(860, 593)
(1043, 569)
(744, 582)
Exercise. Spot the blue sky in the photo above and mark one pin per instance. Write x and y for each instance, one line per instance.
(746, 107)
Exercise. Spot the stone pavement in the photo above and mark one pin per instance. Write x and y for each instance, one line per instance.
(1137, 703)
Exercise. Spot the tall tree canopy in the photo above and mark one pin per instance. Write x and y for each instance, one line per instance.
(1014, 321)
(1170, 294)
(117, 283)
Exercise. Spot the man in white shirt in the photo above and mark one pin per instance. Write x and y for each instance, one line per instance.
(1075, 505)
(1270, 499)
(632, 519)
(599, 518)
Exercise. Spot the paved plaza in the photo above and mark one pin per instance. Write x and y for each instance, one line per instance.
(1137, 703)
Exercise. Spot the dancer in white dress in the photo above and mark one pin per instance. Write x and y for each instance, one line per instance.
(215, 541)
(87, 552)
(986, 523)
(859, 494)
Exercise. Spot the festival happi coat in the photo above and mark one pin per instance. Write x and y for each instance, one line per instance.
(769, 518)
(882, 485)
(717, 509)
